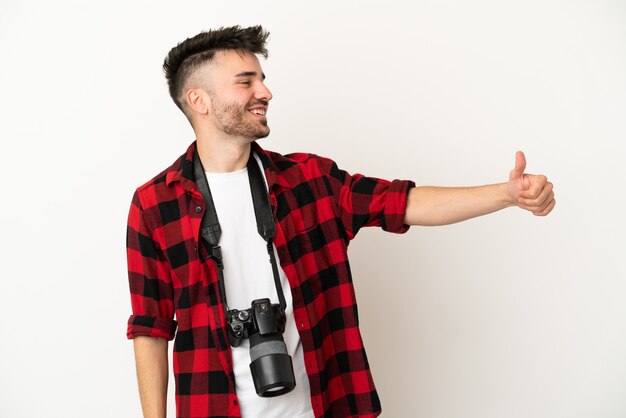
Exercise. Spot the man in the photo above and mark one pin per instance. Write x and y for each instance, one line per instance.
(216, 80)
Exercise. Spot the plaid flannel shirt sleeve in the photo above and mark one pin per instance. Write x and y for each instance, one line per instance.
(151, 290)
(367, 201)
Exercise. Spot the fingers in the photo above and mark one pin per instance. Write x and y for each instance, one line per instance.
(539, 200)
(542, 209)
(537, 184)
(547, 209)
(538, 207)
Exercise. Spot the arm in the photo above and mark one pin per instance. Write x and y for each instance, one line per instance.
(429, 206)
(151, 361)
(151, 324)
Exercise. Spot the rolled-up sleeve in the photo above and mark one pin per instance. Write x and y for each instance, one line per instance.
(151, 291)
(368, 201)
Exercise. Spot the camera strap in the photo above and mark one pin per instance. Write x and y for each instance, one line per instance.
(211, 231)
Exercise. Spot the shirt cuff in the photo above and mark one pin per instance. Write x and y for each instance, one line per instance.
(392, 219)
(151, 326)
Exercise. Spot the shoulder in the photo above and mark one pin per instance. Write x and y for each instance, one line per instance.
(159, 188)
(303, 165)
(290, 159)
(156, 179)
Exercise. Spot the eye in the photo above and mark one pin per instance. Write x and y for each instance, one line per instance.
(246, 82)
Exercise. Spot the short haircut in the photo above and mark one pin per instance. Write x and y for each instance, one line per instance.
(189, 55)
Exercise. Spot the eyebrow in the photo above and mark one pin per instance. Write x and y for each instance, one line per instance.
(250, 74)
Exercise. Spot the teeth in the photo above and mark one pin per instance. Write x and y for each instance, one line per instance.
(258, 112)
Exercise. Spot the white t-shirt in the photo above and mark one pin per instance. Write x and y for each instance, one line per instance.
(248, 276)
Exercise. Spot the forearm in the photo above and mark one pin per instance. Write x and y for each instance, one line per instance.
(430, 206)
(152, 375)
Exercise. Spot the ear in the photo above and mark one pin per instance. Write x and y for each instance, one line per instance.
(198, 101)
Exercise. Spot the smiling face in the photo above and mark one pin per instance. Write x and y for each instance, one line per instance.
(236, 96)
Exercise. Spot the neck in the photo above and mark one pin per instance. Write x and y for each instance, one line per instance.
(223, 156)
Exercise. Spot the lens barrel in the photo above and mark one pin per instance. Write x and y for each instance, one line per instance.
(271, 366)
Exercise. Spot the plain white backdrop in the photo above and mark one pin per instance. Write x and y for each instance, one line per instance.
(504, 316)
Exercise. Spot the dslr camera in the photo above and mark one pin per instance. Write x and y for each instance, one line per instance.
(263, 324)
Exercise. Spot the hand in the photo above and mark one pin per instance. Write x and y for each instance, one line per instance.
(528, 191)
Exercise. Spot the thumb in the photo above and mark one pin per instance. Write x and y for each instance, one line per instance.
(520, 166)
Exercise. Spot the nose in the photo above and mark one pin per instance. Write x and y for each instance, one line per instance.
(263, 93)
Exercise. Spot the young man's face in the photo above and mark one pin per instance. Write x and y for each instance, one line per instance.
(238, 96)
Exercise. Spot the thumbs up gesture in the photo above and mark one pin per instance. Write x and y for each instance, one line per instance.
(529, 191)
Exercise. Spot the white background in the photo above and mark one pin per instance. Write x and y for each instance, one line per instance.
(504, 316)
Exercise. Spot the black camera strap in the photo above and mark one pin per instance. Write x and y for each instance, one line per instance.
(211, 231)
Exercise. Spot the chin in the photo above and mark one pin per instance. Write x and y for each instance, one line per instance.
(258, 135)
(263, 133)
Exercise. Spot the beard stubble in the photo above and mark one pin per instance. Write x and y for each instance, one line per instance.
(231, 119)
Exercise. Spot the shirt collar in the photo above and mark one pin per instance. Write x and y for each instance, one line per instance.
(182, 169)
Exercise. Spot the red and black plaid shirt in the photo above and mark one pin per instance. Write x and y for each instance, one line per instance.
(318, 209)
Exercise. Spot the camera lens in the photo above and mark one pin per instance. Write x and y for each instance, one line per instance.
(271, 367)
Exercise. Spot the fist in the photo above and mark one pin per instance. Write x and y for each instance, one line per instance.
(531, 192)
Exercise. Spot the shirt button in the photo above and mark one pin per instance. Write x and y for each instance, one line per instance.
(198, 209)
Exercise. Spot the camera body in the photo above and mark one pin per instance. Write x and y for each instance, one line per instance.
(271, 366)
(262, 317)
